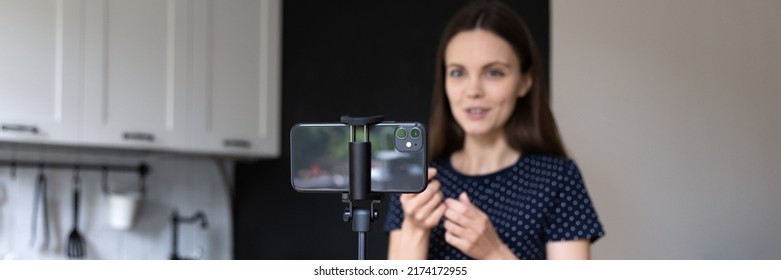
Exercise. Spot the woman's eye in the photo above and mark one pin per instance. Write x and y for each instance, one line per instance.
(495, 73)
(456, 73)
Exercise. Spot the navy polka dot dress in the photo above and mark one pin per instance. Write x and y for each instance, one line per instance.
(537, 200)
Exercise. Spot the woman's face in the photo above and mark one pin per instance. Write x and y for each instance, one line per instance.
(482, 80)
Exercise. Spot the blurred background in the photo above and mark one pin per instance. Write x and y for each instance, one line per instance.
(668, 107)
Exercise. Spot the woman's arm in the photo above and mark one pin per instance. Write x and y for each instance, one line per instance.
(569, 250)
(408, 244)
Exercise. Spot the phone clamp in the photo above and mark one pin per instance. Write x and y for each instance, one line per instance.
(361, 200)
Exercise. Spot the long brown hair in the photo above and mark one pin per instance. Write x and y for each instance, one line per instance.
(531, 127)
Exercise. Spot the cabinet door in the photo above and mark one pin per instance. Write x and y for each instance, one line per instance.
(134, 94)
(40, 71)
(236, 56)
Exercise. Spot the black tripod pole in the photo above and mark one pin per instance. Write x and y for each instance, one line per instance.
(360, 198)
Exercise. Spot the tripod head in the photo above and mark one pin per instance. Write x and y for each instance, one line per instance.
(360, 198)
(360, 158)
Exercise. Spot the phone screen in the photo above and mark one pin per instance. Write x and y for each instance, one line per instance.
(319, 157)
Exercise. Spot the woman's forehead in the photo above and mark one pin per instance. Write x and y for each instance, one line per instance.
(479, 47)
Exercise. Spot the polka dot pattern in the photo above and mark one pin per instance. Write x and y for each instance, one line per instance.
(537, 200)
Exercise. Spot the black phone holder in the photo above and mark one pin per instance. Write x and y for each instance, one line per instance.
(360, 198)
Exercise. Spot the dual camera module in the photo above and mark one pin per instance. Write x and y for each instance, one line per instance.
(408, 138)
(401, 133)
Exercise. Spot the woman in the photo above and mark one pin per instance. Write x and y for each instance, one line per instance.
(501, 186)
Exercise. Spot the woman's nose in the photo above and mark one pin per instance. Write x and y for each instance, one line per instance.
(475, 89)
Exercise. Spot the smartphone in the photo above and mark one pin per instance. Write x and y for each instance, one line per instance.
(319, 157)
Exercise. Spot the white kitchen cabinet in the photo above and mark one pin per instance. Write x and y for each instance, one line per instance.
(236, 58)
(193, 76)
(135, 71)
(39, 68)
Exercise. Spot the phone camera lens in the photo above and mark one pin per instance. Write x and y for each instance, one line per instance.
(401, 133)
(414, 133)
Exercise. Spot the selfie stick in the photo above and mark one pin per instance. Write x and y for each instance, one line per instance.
(360, 198)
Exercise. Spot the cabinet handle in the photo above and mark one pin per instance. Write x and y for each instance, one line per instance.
(139, 136)
(21, 128)
(237, 143)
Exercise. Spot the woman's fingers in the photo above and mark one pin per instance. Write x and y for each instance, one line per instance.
(457, 211)
(457, 242)
(455, 229)
(427, 208)
(413, 202)
(416, 200)
(431, 173)
(435, 216)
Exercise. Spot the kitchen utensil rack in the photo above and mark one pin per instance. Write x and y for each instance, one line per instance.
(142, 169)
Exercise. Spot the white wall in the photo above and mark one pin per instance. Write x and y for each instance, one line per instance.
(671, 109)
(185, 183)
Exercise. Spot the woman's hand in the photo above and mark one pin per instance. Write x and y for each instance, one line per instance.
(470, 231)
(424, 210)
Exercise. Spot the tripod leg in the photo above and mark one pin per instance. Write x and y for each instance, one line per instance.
(361, 245)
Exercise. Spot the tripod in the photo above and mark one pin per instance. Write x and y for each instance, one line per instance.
(361, 200)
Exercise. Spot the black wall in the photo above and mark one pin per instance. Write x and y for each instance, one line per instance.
(355, 58)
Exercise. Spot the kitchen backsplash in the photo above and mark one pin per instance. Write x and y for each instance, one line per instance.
(185, 183)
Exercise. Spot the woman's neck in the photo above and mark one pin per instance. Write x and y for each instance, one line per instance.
(484, 155)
